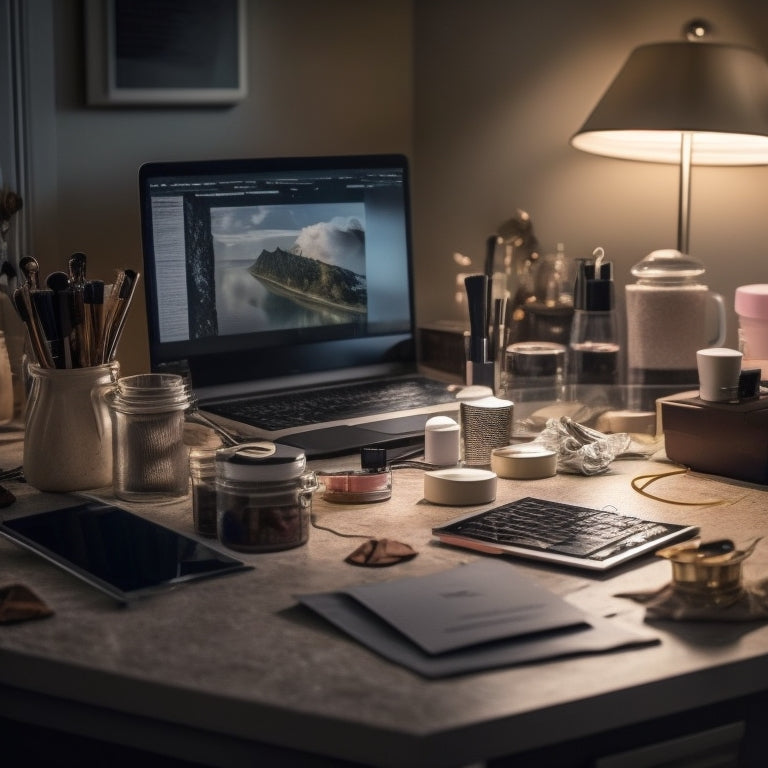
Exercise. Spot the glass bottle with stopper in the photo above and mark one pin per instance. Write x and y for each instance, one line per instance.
(594, 349)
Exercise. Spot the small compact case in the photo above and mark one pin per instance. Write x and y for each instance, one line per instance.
(373, 482)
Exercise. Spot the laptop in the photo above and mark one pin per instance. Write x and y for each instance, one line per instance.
(281, 289)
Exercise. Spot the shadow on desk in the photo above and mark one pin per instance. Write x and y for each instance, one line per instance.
(728, 735)
(732, 729)
(28, 746)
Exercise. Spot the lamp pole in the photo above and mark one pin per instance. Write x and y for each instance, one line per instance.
(684, 207)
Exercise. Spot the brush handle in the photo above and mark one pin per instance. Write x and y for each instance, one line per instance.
(477, 302)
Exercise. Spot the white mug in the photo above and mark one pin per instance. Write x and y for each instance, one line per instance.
(719, 370)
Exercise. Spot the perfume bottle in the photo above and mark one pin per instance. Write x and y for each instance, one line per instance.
(594, 349)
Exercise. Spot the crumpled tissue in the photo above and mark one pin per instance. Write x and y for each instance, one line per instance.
(583, 450)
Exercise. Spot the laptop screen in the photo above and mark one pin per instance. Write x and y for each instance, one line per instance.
(264, 268)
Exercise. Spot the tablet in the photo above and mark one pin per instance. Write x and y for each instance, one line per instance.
(115, 550)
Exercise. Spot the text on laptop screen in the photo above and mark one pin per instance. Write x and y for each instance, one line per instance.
(264, 255)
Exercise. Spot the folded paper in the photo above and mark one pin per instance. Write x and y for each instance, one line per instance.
(492, 616)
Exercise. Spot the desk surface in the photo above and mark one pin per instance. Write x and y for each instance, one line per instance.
(217, 668)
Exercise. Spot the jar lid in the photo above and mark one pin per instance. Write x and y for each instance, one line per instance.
(488, 402)
(473, 392)
(752, 300)
(260, 461)
(668, 266)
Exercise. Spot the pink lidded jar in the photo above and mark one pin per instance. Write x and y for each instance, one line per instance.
(751, 304)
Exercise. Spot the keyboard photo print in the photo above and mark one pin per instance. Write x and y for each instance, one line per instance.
(560, 533)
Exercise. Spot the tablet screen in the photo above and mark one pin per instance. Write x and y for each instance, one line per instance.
(115, 550)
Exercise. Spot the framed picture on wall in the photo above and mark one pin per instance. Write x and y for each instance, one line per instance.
(173, 52)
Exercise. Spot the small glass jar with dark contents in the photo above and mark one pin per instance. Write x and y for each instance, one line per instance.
(202, 470)
(263, 497)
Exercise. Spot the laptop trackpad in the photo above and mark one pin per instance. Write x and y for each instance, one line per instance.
(345, 438)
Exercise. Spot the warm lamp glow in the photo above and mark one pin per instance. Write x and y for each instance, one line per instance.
(684, 102)
(664, 146)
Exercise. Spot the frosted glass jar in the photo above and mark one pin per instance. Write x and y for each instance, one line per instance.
(68, 431)
(151, 461)
(670, 316)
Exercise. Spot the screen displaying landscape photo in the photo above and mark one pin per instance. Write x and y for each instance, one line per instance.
(289, 266)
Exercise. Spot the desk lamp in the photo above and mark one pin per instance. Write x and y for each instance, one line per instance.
(686, 102)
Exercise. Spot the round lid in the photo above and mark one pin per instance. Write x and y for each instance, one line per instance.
(489, 402)
(526, 461)
(441, 424)
(752, 300)
(668, 267)
(460, 486)
(260, 460)
(473, 392)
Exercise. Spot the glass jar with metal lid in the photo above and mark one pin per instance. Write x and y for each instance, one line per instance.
(263, 497)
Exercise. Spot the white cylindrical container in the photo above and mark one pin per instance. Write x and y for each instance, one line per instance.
(442, 441)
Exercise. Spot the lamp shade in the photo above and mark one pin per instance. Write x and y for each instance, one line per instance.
(716, 93)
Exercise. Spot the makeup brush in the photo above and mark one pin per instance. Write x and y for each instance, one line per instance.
(477, 302)
(58, 282)
(43, 304)
(93, 298)
(23, 304)
(125, 298)
(31, 271)
(481, 369)
(80, 337)
(111, 306)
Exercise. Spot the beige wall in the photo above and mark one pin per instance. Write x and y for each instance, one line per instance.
(482, 94)
(500, 88)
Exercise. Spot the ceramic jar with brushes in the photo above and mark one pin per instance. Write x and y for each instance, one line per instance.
(73, 327)
(68, 435)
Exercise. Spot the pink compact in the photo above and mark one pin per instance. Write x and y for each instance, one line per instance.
(359, 486)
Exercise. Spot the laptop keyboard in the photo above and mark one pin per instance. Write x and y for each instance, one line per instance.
(308, 407)
(559, 528)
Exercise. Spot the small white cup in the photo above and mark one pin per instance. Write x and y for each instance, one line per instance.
(719, 370)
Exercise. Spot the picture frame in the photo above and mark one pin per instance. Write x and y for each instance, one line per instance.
(179, 52)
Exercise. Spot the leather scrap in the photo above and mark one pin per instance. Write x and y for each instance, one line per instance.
(6, 497)
(20, 603)
(378, 553)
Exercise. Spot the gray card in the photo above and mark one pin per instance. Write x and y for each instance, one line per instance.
(467, 605)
